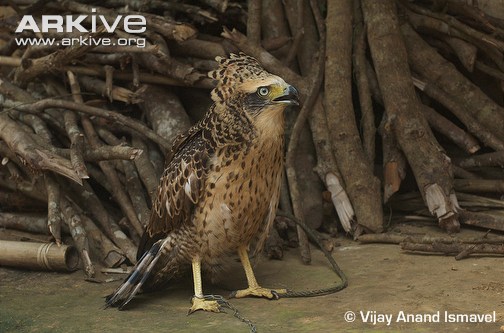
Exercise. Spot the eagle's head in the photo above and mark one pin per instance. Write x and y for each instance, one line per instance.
(244, 85)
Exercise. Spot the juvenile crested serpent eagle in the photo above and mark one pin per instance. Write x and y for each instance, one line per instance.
(219, 192)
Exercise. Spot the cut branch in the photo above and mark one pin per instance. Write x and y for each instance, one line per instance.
(79, 235)
(460, 250)
(461, 138)
(165, 112)
(362, 186)
(53, 207)
(114, 93)
(101, 246)
(297, 203)
(425, 61)
(94, 206)
(49, 63)
(366, 105)
(488, 220)
(479, 185)
(431, 167)
(394, 161)
(254, 22)
(490, 159)
(32, 154)
(94, 111)
(73, 131)
(460, 111)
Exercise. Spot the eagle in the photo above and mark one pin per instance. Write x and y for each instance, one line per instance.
(219, 192)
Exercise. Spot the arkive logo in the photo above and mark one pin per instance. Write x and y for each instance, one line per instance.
(68, 25)
(133, 24)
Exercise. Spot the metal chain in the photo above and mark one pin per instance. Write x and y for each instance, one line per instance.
(317, 292)
(225, 304)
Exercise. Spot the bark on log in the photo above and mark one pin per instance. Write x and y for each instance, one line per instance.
(479, 185)
(169, 67)
(18, 202)
(136, 193)
(490, 159)
(164, 112)
(53, 207)
(326, 166)
(254, 21)
(394, 161)
(466, 52)
(461, 250)
(145, 169)
(113, 93)
(309, 182)
(424, 60)
(74, 132)
(119, 152)
(464, 174)
(29, 189)
(431, 167)
(315, 81)
(30, 222)
(198, 48)
(460, 111)
(366, 105)
(274, 25)
(362, 186)
(91, 203)
(79, 235)
(100, 246)
(119, 193)
(132, 181)
(140, 77)
(33, 155)
(390, 238)
(488, 220)
(94, 111)
(30, 69)
(444, 126)
(301, 151)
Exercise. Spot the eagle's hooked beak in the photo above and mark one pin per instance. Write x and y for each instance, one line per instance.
(289, 96)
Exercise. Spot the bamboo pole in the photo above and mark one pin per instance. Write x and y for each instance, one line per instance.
(38, 256)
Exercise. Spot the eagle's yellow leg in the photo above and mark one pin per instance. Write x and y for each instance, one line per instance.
(198, 301)
(253, 287)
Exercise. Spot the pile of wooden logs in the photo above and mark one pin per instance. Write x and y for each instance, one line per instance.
(402, 106)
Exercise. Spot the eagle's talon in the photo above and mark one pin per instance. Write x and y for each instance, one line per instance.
(258, 292)
(199, 303)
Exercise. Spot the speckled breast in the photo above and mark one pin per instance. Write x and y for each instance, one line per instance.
(243, 187)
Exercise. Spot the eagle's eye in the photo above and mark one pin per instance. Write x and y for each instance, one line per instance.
(263, 91)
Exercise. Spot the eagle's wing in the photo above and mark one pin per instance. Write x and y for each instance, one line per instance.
(180, 188)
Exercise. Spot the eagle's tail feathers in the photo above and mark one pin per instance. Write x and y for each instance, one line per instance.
(142, 281)
(131, 286)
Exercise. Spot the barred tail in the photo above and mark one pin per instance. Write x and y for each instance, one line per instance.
(131, 286)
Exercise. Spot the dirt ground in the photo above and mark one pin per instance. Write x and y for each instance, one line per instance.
(382, 279)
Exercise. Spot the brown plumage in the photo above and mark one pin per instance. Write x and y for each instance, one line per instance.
(220, 190)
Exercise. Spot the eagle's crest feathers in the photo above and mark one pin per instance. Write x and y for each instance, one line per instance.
(232, 72)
